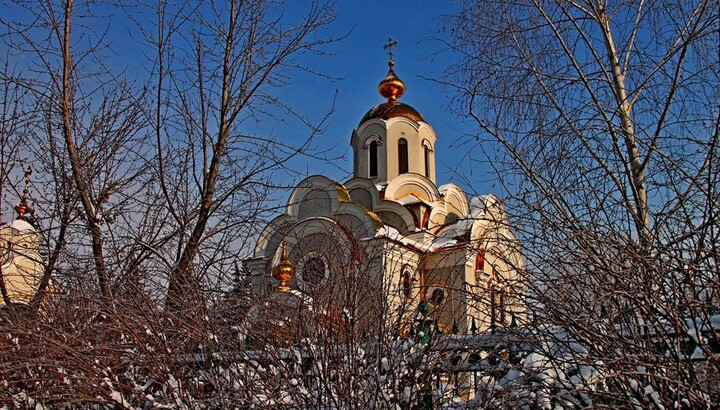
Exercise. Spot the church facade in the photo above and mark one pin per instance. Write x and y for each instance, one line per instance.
(390, 241)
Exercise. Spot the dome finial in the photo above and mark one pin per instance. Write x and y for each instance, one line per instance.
(391, 87)
(23, 208)
(284, 270)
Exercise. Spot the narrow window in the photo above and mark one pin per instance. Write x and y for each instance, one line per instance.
(501, 308)
(426, 153)
(480, 261)
(373, 159)
(402, 156)
(406, 284)
(493, 309)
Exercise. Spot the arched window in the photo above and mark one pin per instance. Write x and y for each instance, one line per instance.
(498, 311)
(426, 156)
(406, 283)
(493, 307)
(373, 160)
(480, 260)
(501, 308)
(402, 156)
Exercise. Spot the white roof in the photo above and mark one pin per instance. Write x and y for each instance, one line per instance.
(411, 199)
(21, 225)
(436, 243)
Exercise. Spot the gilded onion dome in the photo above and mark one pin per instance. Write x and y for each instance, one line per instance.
(283, 271)
(392, 88)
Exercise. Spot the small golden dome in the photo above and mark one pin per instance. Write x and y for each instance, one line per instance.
(22, 208)
(283, 271)
(391, 87)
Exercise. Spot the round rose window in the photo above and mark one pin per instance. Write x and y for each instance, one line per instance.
(313, 271)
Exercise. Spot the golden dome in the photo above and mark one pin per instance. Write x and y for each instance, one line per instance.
(22, 208)
(283, 271)
(391, 87)
(392, 109)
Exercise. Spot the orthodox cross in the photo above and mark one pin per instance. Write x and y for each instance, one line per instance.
(389, 47)
(22, 208)
(28, 172)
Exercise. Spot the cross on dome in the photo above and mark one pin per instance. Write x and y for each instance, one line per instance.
(389, 45)
(23, 208)
(391, 87)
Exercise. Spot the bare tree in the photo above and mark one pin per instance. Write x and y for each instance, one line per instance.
(604, 131)
(84, 139)
(217, 68)
(150, 176)
(333, 346)
(157, 169)
(349, 338)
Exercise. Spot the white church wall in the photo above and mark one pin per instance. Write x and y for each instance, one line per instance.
(447, 270)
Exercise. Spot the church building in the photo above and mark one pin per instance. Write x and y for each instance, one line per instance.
(21, 265)
(390, 241)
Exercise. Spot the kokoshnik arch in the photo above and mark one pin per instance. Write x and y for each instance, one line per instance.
(390, 239)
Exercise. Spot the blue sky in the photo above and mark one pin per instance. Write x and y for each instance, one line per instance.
(361, 62)
(357, 64)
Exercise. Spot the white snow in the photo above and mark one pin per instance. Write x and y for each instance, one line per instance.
(21, 225)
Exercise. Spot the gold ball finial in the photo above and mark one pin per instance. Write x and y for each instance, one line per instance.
(283, 271)
(391, 87)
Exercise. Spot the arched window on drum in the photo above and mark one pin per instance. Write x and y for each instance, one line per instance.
(373, 159)
(426, 157)
(402, 156)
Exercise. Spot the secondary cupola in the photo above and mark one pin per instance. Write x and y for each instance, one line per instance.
(20, 261)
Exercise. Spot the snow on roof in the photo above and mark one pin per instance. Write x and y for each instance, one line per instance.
(477, 206)
(441, 243)
(393, 234)
(445, 240)
(411, 199)
(459, 228)
(691, 326)
(21, 225)
(304, 297)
